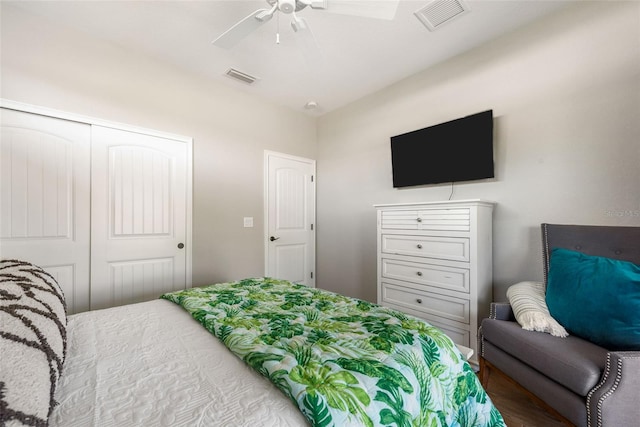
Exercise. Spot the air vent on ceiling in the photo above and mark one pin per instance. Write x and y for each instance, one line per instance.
(240, 76)
(438, 12)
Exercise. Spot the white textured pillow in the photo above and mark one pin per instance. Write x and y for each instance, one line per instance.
(530, 308)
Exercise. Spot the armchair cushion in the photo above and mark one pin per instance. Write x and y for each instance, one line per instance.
(573, 362)
(596, 298)
(530, 309)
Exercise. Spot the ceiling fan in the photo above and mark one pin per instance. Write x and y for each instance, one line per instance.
(380, 9)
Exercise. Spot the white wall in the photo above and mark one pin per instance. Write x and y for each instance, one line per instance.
(56, 68)
(566, 99)
(565, 93)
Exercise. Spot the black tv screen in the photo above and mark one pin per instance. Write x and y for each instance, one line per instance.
(459, 150)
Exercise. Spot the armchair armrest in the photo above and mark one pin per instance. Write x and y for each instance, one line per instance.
(614, 400)
(501, 311)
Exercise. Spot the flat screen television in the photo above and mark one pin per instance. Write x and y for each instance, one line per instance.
(458, 150)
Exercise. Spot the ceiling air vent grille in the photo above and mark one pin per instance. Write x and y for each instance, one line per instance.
(438, 12)
(240, 76)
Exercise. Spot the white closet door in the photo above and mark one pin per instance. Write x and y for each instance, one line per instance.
(139, 207)
(44, 198)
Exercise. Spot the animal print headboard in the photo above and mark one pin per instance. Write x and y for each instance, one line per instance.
(32, 343)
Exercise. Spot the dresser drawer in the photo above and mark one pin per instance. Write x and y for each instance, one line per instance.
(451, 278)
(450, 248)
(443, 306)
(427, 219)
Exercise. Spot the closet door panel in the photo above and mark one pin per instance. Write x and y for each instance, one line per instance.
(138, 216)
(44, 198)
(141, 196)
(140, 280)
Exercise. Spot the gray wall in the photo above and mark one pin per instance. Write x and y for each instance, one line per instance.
(566, 99)
(49, 66)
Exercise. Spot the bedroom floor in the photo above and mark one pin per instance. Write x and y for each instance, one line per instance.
(517, 409)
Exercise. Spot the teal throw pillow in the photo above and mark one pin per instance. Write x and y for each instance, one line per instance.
(595, 298)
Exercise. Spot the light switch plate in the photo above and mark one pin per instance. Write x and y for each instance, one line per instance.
(248, 221)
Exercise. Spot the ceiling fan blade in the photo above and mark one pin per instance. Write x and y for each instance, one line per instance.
(246, 26)
(378, 9)
(306, 42)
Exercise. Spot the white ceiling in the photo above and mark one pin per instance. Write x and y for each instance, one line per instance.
(358, 55)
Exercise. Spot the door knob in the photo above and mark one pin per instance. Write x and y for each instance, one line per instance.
(273, 239)
(180, 245)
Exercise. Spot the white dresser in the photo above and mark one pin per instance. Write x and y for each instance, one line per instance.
(435, 262)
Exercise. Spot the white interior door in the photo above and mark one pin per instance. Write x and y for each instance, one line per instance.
(44, 198)
(139, 216)
(290, 218)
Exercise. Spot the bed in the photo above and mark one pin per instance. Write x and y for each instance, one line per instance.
(165, 362)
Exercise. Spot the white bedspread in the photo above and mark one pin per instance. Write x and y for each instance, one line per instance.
(151, 364)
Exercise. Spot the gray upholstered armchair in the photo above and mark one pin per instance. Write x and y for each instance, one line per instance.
(584, 383)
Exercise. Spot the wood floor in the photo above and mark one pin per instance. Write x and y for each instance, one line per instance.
(517, 409)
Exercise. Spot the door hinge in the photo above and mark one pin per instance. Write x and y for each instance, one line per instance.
(312, 274)
(311, 227)
(311, 178)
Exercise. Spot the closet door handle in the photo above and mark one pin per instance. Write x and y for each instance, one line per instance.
(180, 245)
(419, 246)
(419, 301)
(419, 273)
(273, 239)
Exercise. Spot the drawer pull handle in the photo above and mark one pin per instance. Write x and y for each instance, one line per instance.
(419, 246)
(419, 219)
(419, 301)
(419, 273)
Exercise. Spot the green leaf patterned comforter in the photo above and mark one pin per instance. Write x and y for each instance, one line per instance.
(343, 361)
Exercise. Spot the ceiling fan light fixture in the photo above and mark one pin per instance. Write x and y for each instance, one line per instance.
(287, 6)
